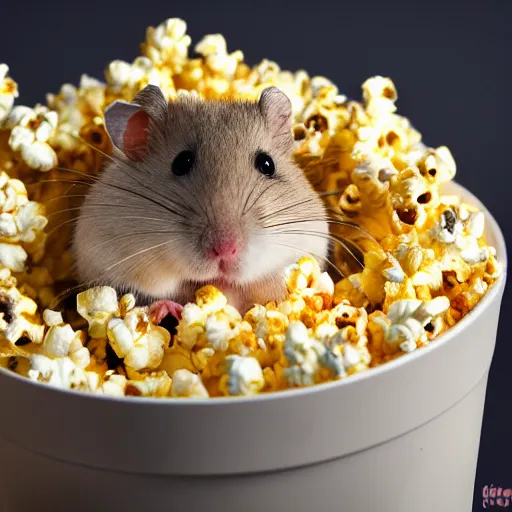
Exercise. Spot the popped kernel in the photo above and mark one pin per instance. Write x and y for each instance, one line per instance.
(415, 261)
(8, 92)
(31, 130)
(244, 375)
(187, 384)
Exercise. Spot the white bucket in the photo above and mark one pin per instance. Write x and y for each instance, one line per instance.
(402, 437)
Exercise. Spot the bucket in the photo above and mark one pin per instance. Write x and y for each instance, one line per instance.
(402, 437)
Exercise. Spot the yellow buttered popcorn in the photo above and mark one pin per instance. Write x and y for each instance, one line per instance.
(407, 263)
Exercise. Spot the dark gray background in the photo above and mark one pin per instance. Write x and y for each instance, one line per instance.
(449, 60)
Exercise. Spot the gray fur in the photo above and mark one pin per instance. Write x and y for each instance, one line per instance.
(184, 213)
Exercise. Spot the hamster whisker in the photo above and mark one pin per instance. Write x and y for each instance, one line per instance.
(92, 206)
(294, 205)
(122, 217)
(64, 196)
(259, 197)
(155, 191)
(138, 253)
(249, 195)
(149, 199)
(80, 173)
(201, 207)
(335, 222)
(331, 193)
(135, 233)
(95, 179)
(329, 237)
(55, 303)
(87, 143)
(117, 160)
(75, 182)
(314, 255)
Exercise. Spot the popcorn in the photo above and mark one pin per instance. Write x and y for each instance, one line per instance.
(245, 376)
(408, 319)
(167, 44)
(31, 130)
(155, 384)
(97, 305)
(187, 384)
(303, 354)
(8, 92)
(18, 317)
(59, 373)
(21, 225)
(136, 340)
(412, 262)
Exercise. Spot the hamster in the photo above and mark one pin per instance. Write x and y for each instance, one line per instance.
(198, 192)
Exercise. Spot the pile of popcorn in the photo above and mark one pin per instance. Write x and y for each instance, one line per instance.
(414, 260)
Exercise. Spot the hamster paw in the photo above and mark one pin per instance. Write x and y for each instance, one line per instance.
(161, 308)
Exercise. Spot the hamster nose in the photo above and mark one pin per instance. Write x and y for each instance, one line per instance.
(224, 249)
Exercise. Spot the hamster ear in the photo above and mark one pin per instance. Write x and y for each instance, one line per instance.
(128, 123)
(277, 108)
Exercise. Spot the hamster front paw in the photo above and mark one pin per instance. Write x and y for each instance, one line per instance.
(161, 308)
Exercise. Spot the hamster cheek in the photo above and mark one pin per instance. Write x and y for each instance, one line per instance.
(265, 256)
(270, 253)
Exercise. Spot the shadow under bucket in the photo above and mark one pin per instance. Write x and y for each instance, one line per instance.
(402, 437)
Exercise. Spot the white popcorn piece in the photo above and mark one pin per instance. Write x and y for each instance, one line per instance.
(408, 318)
(441, 165)
(8, 92)
(20, 326)
(187, 384)
(57, 341)
(7, 225)
(18, 307)
(13, 257)
(21, 220)
(351, 356)
(120, 337)
(140, 347)
(156, 385)
(379, 95)
(39, 156)
(113, 387)
(460, 235)
(395, 274)
(449, 227)
(430, 275)
(60, 372)
(138, 357)
(324, 332)
(324, 283)
(21, 136)
(168, 44)
(31, 129)
(245, 375)
(218, 332)
(97, 305)
(158, 339)
(52, 318)
(191, 326)
(121, 74)
(81, 356)
(62, 341)
(303, 355)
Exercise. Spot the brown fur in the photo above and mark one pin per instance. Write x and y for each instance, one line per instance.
(223, 192)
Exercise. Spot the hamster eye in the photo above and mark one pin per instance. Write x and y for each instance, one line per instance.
(265, 164)
(183, 163)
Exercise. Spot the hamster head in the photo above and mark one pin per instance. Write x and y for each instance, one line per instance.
(199, 192)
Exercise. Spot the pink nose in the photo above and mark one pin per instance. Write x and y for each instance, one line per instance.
(224, 249)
